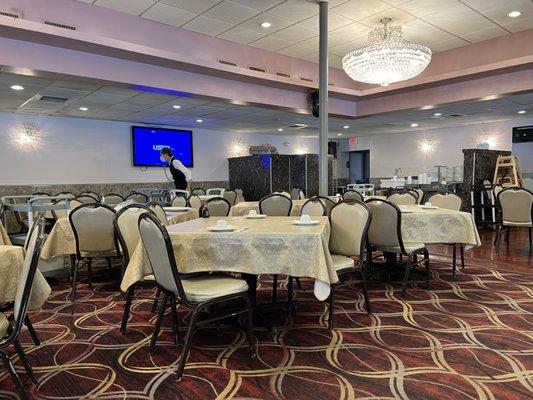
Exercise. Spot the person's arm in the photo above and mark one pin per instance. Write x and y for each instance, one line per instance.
(187, 172)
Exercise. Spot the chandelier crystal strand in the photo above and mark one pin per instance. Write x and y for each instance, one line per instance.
(388, 58)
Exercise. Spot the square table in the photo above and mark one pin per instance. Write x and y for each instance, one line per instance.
(271, 245)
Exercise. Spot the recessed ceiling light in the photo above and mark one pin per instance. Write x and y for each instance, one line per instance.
(280, 129)
(522, 112)
(346, 126)
(83, 109)
(266, 24)
(199, 120)
(414, 125)
(176, 107)
(514, 14)
(339, 134)
(437, 114)
(17, 87)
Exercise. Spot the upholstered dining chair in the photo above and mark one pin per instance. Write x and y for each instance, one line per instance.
(195, 202)
(349, 227)
(179, 201)
(450, 201)
(216, 207)
(276, 205)
(352, 196)
(11, 327)
(92, 194)
(215, 192)
(405, 198)
(86, 199)
(62, 213)
(126, 225)
(159, 211)
(112, 199)
(94, 234)
(385, 234)
(198, 191)
(230, 196)
(516, 205)
(199, 293)
(137, 197)
(420, 195)
(328, 203)
(314, 207)
(295, 193)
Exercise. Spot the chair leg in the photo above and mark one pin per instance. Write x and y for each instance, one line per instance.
(31, 331)
(108, 263)
(156, 300)
(187, 344)
(365, 293)
(405, 280)
(158, 324)
(426, 262)
(274, 288)
(454, 260)
(127, 307)
(289, 295)
(508, 238)
(14, 376)
(90, 273)
(331, 302)
(498, 238)
(75, 282)
(299, 284)
(530, 242)
(462, 250)
(24, 361)
(250, 326)
(174, 314)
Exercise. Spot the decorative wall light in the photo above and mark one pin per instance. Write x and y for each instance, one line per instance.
(239, 149)
(488, 140)
(302, 150)
(426, 145)
(27, 135)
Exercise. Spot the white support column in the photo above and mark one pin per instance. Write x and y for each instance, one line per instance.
(323, 99)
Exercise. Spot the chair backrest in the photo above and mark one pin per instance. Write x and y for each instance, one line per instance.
(218, 207)
(349, 228)
(215, 191)
(420, 193)
(516, 205)
(27, 275)
(314, 207)
(198, 191)
(352, 196)
(195, 202)
(302, 195)
(126, 223)
(112, 199)
(295, 194)
(449, 201)
(179, 201)
(63, 213)
(414, 193)
(406, 198)
(276, 205)
(328, 203)
(158, 246)
(93, 228)
(94, 195)
(159, 211)
(137, 197)
(385, 228)
(86, 199)
(230, 195)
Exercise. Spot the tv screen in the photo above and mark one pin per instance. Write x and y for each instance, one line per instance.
(147, 143)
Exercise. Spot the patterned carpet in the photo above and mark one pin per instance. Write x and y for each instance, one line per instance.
(468, 338)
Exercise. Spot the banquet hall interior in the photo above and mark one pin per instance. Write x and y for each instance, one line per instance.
(266, 199)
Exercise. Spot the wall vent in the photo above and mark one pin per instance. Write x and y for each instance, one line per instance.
(331, 84)
(53, 99)
(258, 69)
(306, 79)
(283, 74)
(456, 115)
(11, 14)
(60, 25)
(226, 62)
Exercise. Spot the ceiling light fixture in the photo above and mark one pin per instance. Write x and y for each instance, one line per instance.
(414, 125)
(176, 107)
(339, 134)
(437, 114)
(514, 14)
(266, 25)
(83, 109)
(17, 87)
(522, 112)
(280, 129)
(346, 126)
(388, 58)
(199, 120)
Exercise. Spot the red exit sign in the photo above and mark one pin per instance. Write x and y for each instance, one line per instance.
(352, 141)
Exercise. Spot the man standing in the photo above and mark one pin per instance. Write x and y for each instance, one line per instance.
(182, 176)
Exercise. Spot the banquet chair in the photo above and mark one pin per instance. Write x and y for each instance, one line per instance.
(94, 195)
(414, 193)
(94, 234)
(347, 243)
(198, 192)
(295, 193)
(516, 205)
(420, 195)
(276, 205)
(215, 192)
(159, 211)
(230, 196)
(195, 202)
(216, 207)
(62, 213)
(328, 203)
(450, 201)
(126, 223)
(314, 207)
(20, 217)
(137, 197)
(11, 327)
(112, 199)
(86, 199)
(405, 198)
(302, 195)
(199, 293)
(240, 196)
(352, 196)
(385, 235)
(179, 201)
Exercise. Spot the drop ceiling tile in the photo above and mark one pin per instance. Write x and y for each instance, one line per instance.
(255, 23)
(484, 34)
(76, 85)
(196, 6)
(233, 13)
(522, 23)
(422, 32)
(297, 50)
(294, 11)
(459, 20)
(398, 17)
(150, 99)
(259, 4)
(207, 25)
(118, 91)
(24, 80)
(135, 7)
(335, 21)
(447, 44)
(271, 43)
(352, 31)
(166, 14)
(421, 8)
(294, 33)
(63, 92)
(395, 2)
(241, 35)
(102, 99)
(345, 48)
(360, 9)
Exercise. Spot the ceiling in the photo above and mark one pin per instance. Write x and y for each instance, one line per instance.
(106, 101)
(439, 24)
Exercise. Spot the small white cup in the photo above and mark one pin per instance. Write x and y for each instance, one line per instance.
(305, 218)
(222, 224)
(252, 213)
(427, 204)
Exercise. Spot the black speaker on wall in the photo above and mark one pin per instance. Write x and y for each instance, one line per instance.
(315, 103)
(332, 148)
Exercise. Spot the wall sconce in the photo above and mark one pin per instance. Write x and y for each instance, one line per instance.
(302, 150)
(426, 145)
(239, 149)
(27, 135)
(487, 140)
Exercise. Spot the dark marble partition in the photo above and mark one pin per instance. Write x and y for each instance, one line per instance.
(281, 173)
(298, 171)
(251, 174)
(312, 175)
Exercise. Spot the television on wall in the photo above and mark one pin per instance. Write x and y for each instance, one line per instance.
(147, 143)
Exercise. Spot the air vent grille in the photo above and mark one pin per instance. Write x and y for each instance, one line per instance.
(9, 14)
(283, 74)
(456, 115)
(52, 99)
(258, 69)
(60, 25)
(306, 79)
(226, 62)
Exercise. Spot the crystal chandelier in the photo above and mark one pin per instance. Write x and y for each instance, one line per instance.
(387, 58)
